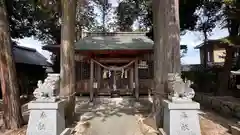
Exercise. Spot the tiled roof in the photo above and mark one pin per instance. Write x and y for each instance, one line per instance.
(229, 41)
(115, 41)
(112, 41)
(28, 56)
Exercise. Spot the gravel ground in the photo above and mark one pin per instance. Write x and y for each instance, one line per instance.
(215, 124)
(209, 127)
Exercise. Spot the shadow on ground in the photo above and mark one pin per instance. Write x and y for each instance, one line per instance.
(111, 115)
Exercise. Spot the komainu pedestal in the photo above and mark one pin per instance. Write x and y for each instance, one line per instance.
(181, 119)
(46, 118)
(180, 111)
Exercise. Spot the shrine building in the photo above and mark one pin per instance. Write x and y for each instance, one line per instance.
(106, 63)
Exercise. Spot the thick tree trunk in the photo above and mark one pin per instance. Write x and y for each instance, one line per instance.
(67, 72)
(205, 55)
(173, 35)
(160, 59)
(166, 49)
(10, 91)
(224, 77)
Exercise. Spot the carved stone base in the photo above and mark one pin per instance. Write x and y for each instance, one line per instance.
(46, 118)
(47, 100)
(181, 119)
(179, 100)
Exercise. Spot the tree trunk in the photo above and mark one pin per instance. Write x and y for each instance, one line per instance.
(67, 73)
(104, 17)
(205, 55)
(224, 77)
(173, 35)
(10, 91)
(166, 48)
(160, 59)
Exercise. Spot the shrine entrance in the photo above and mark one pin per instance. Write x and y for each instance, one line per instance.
(117, 78)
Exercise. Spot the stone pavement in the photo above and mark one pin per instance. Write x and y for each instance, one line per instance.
(112, 116)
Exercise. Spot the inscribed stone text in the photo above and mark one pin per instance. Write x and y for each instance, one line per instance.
(41, 126)
(184, 127)
(43, 115)
(184, 115)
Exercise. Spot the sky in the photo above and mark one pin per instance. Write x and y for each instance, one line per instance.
(191, 39)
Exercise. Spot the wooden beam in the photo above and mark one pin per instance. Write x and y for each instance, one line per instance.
(131, 79)
(114, 80)
(136, 80)
(99, 77)
(114, 60)
(110, 60)
(91, 80)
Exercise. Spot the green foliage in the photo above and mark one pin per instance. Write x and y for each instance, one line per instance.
(129, 11)
(105, 8)
(48, 23)
(41, 18)
(126, 14)
(204, 79)
(230, 40)
(20, 13)
(1, 3)
(183, 49)
(208, 16)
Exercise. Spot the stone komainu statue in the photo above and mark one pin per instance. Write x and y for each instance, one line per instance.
(49, 89)
(179, 90)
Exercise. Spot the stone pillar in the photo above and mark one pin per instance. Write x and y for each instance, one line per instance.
(136, 80)
(91, 80)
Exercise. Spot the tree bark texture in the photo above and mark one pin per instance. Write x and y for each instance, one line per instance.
(173, 35)
(160, 58)
(11, 100)
(166, 49)
(205, 55)
(224, 77)
(67, 73)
